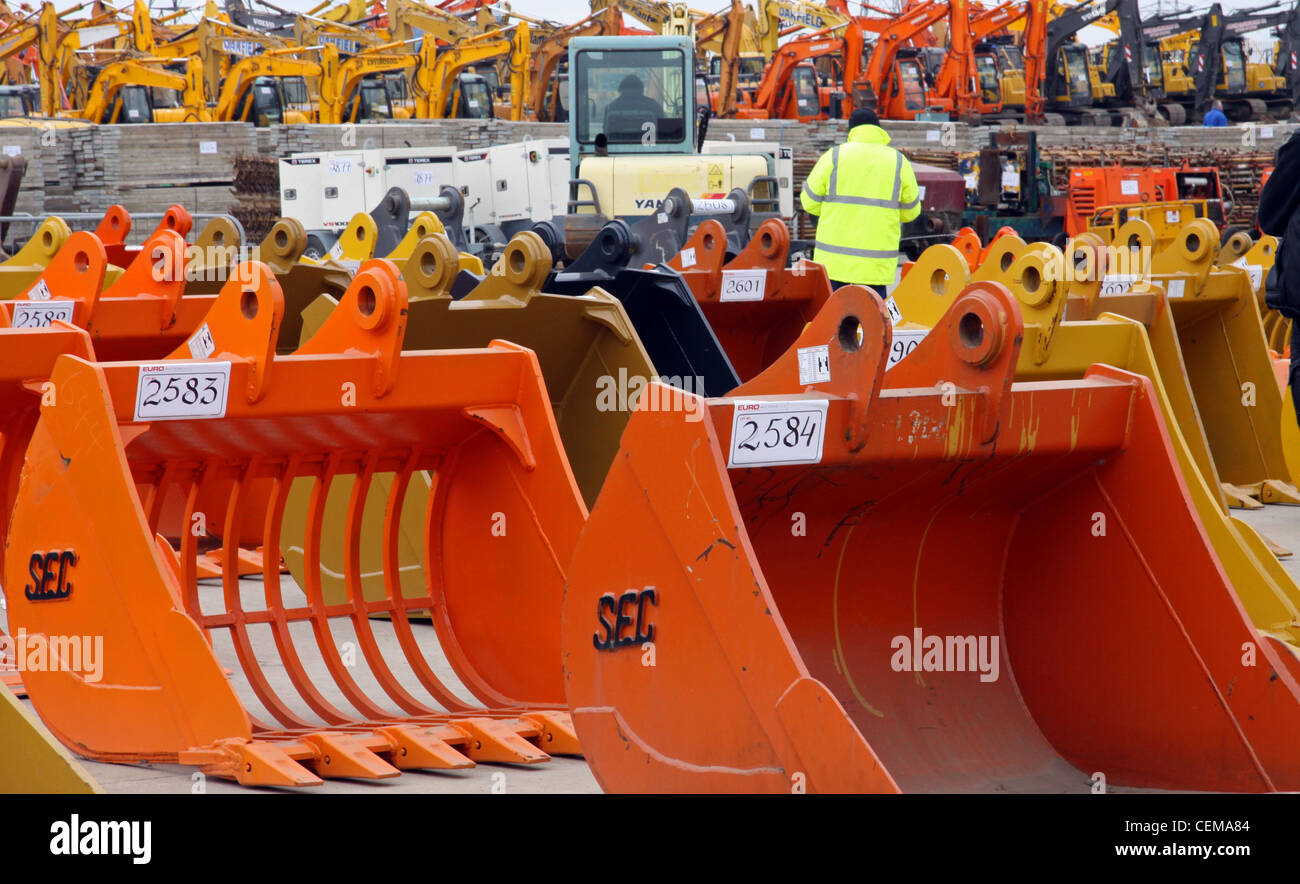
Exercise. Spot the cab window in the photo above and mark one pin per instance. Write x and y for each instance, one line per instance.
(632, 97)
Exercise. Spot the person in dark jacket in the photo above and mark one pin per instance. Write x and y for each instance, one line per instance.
(1279, 215)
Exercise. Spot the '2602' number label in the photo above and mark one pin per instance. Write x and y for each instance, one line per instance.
(772, 433)
(178, 391)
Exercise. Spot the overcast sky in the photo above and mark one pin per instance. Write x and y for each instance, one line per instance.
(567, 11)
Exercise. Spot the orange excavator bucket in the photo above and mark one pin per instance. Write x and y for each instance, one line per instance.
(931, 579)
(115, 227)
(316, 690)
(756, 305)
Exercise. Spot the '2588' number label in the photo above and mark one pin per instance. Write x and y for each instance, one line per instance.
(182, 390)
(773, 433)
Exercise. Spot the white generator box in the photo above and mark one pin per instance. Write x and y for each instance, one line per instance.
(324, 190)
(511, 186)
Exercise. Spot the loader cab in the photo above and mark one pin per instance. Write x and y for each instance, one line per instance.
(132, 104)
(470, 99)
(631, 96)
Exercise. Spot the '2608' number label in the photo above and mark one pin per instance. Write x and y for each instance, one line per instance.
(773, 433)
(182, 390)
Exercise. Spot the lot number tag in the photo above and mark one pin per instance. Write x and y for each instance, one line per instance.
(905, 341)
(182, 390)
(774, 433)
(743, 285)
(39, 314)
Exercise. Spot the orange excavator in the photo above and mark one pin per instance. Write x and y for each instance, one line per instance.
(895, 75)
(789, 89)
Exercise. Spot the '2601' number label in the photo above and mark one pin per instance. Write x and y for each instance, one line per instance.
(773, 433)
(182, 390)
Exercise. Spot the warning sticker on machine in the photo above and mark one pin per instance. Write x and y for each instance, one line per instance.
(715, 176)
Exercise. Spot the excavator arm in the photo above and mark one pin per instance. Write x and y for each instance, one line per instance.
(545, 57)
(879, 71)
(776, 79)
(141, 72)
(727, 27)
(275, 63)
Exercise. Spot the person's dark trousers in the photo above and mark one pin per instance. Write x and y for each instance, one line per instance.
(835, 284)
(1295, 366)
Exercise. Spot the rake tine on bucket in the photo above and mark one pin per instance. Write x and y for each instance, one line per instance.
(101, 462)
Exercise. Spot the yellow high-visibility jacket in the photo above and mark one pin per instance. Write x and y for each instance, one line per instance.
(862, 192)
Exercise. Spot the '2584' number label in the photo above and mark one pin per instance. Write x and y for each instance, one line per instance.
(772, 433)
(176, 391)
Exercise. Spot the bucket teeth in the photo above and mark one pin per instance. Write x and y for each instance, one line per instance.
(250, 763)
(345, 755)
(415, 747)
(490, 740)
(556, 732)
(1277, 491)
(1241, 497)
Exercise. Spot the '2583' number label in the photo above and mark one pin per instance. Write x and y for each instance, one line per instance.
(176, 391)
(772, 433)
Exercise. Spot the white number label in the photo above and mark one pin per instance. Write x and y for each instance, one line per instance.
(1173, 216)
(712, 207)
(40, 291)
(207, 147)
(814, 364)
(39, 314)
(1175, 288)
(904, 342)
(688, 257)
(743, 285)
(757, 134)
(1117, 284)
(895, 314)
(181, 390)
(1128, 188)
(423, 179)
(340, 167)
(336, 250)
(776, 433)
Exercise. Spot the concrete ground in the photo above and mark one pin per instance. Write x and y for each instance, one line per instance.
(560, 775)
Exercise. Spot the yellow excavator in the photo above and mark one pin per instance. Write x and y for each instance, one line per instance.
(445, 90)
(253, 90)
(372, 84)
(121, 93)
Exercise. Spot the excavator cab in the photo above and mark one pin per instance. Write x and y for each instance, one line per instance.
(262, 104)
(470, 100)
(1072, 66)
(296, 94)
(370, 101)
(15, 102)
(132, 104)
(1232, 75)
(986, 70)
(804, 94)
(633, 100)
